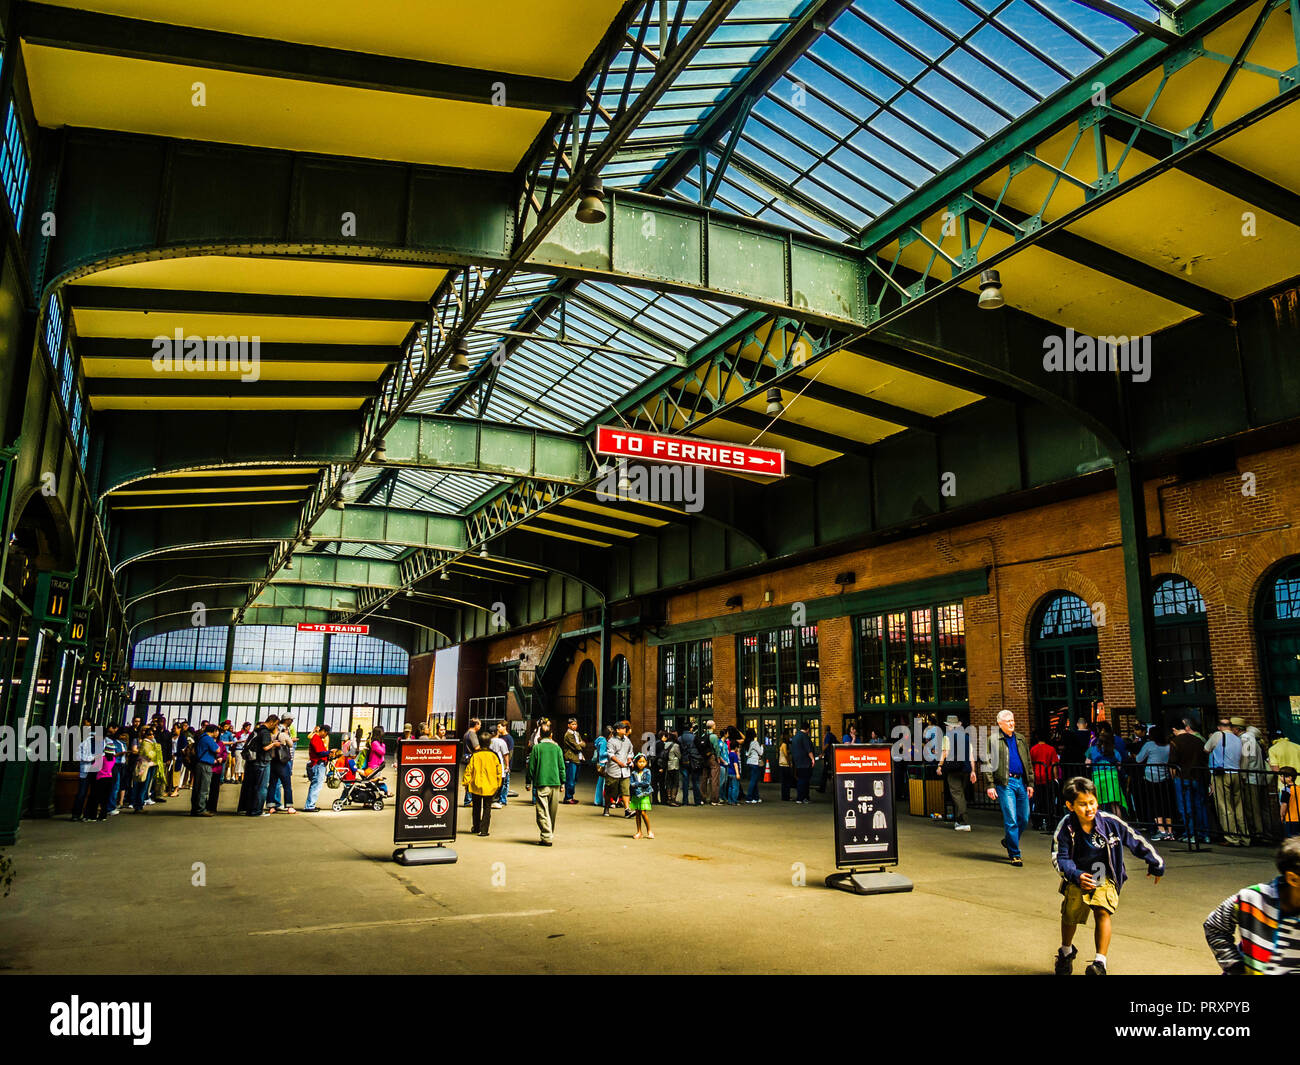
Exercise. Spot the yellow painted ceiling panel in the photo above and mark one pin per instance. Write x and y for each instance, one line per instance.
(243, 471)
(108, 92)
(562, 536)
(274, 277)
(1190, 229)
(596, 509)
(618, 534)
(814, 414)
(143, 325)
(545, 38)
(1257, 148)
(878, 380)
(1189, 90)
(1061, 291)
(164, 490)
(206, 504)
(224, 403)
(807, 454)
(267, 371)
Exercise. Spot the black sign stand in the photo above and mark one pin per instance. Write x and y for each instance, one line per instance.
(866, 831)
(425, 811)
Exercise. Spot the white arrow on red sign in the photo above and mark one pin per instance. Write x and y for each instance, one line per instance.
(688, 450)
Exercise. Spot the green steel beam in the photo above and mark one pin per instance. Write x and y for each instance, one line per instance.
(142, 444)
(158, 42)
(167, 301)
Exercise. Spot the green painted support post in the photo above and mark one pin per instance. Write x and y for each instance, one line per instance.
(1137, 587)
(225, 679)
(602, 671)
(41, 801)
(13, 775)
(324, 680)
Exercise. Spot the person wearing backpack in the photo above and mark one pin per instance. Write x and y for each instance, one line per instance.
(281, 773)
(690, 767)
(258, 753)
(673, 768)
(469, 743)
(705, 745)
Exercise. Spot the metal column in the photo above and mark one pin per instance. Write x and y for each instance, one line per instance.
(1137, 587)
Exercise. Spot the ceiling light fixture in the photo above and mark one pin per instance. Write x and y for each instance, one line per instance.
(459, 357)
(444, 576)
(591, 208)
(774, 404)
(380, 454)
(991, 290)
(482, 551)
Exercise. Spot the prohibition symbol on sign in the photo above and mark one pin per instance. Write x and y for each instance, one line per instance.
(439, 778)
(414, 779)
(412, 805)
(438, 805)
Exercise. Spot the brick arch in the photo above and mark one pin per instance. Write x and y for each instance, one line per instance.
(1019, 615)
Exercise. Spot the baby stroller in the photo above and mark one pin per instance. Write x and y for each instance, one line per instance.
(360, 787)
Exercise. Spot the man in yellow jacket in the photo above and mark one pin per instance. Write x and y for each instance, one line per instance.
(483, 780)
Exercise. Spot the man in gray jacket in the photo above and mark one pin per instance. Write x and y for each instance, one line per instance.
(1008, 775)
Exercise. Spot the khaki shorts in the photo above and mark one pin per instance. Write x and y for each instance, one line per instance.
(1077, 903)
(617, 787)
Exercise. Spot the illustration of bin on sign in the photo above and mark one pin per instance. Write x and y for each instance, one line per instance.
(850, 820)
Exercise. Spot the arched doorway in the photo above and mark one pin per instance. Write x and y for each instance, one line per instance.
(1182, 635)
(1278, 627)
(586, 700)
(1065, 661)
(619, 705)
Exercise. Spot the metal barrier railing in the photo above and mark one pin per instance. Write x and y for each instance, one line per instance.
(1227, 808)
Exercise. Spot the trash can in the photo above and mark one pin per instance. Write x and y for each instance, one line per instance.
(924, 791)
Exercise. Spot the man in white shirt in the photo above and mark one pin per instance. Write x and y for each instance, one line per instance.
(618, 769)
(502, 749)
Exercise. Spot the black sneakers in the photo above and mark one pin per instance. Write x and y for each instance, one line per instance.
(1065, 962)
(1096, 968)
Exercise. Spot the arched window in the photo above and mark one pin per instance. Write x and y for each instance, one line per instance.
(1182, 638)
(586, 700)
(1065, 661)
(1278, 624)
(620, 690)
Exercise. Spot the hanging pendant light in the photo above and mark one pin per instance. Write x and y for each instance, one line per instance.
(591, 208)
(380, 454)
(774, 404)
(459, 356)
(991, 291)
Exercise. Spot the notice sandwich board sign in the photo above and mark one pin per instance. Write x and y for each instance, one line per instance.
(689, 451)
(427, 774)
(866, 832)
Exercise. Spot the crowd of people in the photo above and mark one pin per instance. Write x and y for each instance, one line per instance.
(1233, 786)
(147, 763)
(1096, 787)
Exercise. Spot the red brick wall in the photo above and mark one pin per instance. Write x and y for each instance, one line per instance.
(1225, 543)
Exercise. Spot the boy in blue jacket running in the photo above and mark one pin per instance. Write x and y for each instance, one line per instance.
(1088, 852)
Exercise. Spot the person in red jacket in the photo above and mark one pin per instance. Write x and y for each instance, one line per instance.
(1047, 776)
(318, 756)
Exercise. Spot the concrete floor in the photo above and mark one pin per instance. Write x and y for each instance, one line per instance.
(714, 892)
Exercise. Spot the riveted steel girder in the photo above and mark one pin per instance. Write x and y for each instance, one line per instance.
(141, 444)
